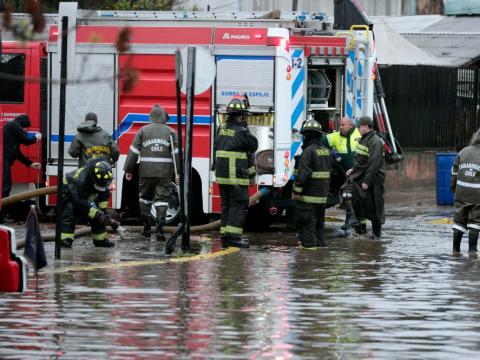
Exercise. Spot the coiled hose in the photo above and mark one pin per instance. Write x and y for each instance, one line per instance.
(85, 231)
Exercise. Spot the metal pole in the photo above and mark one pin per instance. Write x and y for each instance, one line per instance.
(179, 79)
(188, 146)
(294, 5)
(61, 134)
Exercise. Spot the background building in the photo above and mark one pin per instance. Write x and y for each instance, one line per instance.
(372, 7)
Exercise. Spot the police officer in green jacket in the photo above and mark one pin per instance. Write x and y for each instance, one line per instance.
(465, 183)
(310, 189)
(233, 147)
(366, 179)
(92, 142)
(153, 145)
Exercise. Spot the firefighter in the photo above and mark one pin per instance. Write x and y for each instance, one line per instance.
(91, 141)
(310, 189)
(366, 178)
(14, 135)
(153, 144)
(234, 145)
(344, 144)
(465, 183)
(85, 195)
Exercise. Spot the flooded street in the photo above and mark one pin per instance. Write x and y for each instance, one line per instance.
(404, 297)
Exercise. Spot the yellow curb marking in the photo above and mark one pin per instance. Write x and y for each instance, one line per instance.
(143, 262)
(441, 221)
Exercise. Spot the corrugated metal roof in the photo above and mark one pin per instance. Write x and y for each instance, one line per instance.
(458, 49)
(455, 24)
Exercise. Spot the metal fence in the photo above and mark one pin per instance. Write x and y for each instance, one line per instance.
(468, 106)
(421, 102)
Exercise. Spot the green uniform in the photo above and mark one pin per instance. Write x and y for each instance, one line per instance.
(93, 142)
(369, 168)
(345, 145)
(465, 183)
(152, 145)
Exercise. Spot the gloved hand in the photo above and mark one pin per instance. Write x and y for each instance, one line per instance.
(113, 224)
(38, 136)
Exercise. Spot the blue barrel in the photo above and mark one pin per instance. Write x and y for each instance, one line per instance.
(443, 166)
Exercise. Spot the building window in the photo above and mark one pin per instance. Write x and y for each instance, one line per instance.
(12, 78)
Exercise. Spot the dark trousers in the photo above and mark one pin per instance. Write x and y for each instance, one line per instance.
(154, 191)
(71, 213)
(310, 219)
(234, 203)
(6, 179)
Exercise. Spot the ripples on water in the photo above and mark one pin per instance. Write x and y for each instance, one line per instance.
(403, 297)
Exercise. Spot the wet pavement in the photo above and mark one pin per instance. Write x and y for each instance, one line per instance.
(403, 297)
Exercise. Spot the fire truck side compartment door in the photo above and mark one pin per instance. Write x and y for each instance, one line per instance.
(245, 74)
(92, 91)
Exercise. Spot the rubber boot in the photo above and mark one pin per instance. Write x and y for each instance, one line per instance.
(351, 219)
(457, 239)
(472, 240)
(147, 227)
(160, 233)
(104, 243)
(237, 241)
(66, 243)
(224, 240)
(321, 239)
(361, 229)
(376, 230)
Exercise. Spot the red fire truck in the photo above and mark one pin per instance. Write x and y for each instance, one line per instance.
(289, 66)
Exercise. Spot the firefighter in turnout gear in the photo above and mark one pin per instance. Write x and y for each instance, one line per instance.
(310, 189)
(465, 183)
(85, 195)
(92, 142)
(234, 145)
(366, 178)
(152, 144)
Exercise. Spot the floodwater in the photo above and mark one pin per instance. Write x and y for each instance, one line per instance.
(403, 297)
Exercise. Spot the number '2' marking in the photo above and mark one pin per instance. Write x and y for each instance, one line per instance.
(297, 63)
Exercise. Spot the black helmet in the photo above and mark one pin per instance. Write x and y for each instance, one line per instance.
(311, 127)
(102, 175)
(239, 104)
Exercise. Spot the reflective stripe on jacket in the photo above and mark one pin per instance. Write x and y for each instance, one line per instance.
(80, 187)
(151, 147)
(344, 145)
(369, 160)
(465, 180)
(313, 174)
(234, 145)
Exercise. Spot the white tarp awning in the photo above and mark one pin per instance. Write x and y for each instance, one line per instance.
(393, 49)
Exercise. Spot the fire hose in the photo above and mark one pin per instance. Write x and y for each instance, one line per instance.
(85, 231)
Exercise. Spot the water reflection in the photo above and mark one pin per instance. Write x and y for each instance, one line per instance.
(406, 296)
